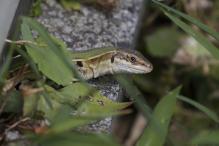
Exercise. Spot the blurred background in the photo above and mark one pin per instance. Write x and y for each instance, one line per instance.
(179, 59)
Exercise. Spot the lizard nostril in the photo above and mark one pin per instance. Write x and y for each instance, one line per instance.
(150, 66)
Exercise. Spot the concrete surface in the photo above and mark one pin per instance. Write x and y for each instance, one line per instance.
(8, 9)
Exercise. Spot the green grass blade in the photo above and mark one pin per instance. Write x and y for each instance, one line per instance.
(162, 115)
(204, 27)
(74, 139)
(197, 35)
(139, 101)
(202, 108)
(8, 56)
(5, 67)
(135, 94)
(206, 138)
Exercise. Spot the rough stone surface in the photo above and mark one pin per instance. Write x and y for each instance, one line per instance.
(92, 28)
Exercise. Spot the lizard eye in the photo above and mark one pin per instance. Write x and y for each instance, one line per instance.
(133, 59)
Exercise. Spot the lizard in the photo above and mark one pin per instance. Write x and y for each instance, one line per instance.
(109, 60)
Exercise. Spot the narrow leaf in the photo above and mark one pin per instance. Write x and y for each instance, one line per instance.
(162, 115)
(197, 35)
(138, 98)
(204, 27)
(202, 108)
(135, 94)
(75, 139)
(206, 138)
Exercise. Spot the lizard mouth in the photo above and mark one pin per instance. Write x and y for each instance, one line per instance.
(143, 69)
(149, 67)
(136, 70)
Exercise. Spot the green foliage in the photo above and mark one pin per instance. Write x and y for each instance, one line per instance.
(162, 115)
(190, 19)
(70, 4)
(160, 40)
(5, 67)
(207, 67)
(206, 138)
(15, 100)
(49, 58)
(202, 108)
(174, 16)
(90, 104)
(135, 94)
(76, 139)
(198, 36)
(214, 71)
(80, 96)
(36, 8)
(8, 59)
(94, 101)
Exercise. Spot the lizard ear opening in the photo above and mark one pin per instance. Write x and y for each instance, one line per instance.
(79, 63)
(112, 58)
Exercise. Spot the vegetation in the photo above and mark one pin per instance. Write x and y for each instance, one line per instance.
(179, 99)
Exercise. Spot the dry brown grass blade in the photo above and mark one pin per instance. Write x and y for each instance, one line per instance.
(28, 90)
(12, 82)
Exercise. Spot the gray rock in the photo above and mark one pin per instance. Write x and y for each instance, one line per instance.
(91, 28)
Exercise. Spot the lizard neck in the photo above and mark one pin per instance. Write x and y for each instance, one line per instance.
(93, 68)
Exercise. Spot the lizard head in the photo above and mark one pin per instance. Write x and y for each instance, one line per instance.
(126, 61)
